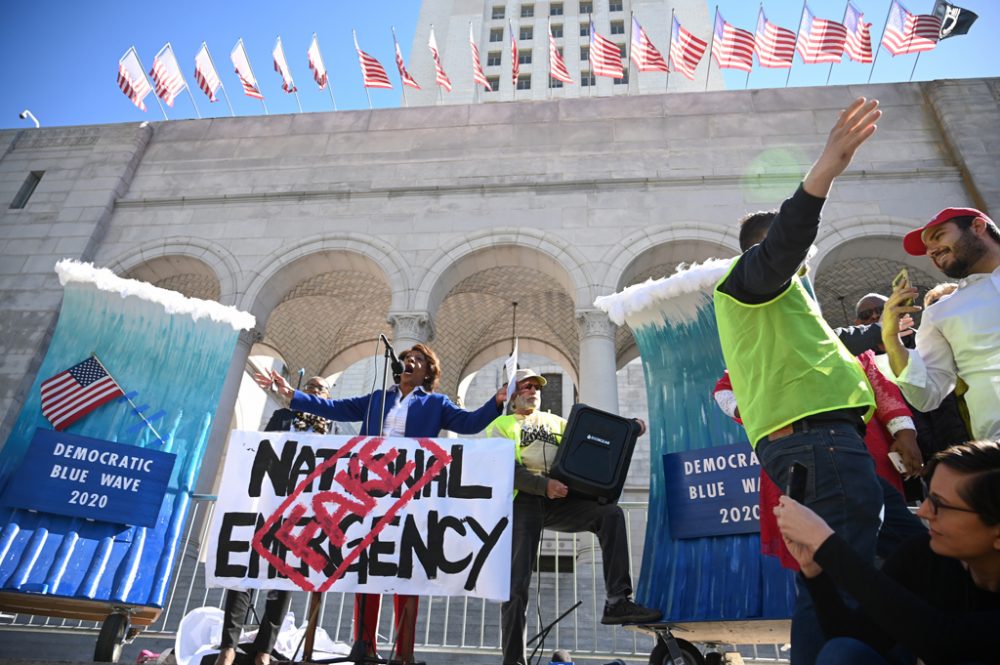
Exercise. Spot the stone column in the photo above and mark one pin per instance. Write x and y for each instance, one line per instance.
(409, 328)
(211, 465)
(598, 385)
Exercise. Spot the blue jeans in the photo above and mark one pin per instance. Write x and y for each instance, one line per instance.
(841, 487)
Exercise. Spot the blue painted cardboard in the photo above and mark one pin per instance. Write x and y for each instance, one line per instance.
(712, 491)
(80, 476)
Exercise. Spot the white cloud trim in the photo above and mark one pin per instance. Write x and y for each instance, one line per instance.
(173, 302)
(672, 300)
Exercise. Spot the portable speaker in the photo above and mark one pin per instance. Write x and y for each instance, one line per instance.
(595, 453)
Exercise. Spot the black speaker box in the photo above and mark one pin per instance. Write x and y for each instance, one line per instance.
(595, 453)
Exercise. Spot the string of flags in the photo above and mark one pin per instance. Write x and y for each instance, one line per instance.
(817, 41)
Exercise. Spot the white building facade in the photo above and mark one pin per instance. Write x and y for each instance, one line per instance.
(425, 224)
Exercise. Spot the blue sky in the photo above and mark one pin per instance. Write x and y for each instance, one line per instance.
(60, 56)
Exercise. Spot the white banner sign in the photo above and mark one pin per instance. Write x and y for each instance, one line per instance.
(364, 514)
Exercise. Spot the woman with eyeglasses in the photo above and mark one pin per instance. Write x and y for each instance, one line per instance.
(408, 409)
(938, 597)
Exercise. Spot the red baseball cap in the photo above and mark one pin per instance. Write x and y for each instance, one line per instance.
(913, 241)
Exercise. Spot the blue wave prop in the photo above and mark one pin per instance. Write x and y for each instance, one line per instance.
(175, 366)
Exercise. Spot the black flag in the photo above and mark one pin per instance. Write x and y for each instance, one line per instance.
(954, 20)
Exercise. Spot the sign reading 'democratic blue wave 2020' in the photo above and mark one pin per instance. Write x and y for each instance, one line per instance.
(712, 491)
(79, 476)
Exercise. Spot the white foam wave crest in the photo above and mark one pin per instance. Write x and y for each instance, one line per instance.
(673, 300)
(171, 301)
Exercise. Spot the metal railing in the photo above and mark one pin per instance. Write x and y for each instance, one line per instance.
(571, 572)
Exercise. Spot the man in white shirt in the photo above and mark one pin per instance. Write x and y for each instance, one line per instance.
(959, 335)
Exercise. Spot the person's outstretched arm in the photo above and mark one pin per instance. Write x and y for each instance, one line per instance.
(765, 270)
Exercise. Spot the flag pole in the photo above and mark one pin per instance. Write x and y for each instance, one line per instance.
(881, 37)
(266, 112)
(670, 50)
(711, 51)
(843, 21)
(797, 31)
(475, 85)
(440, 95)
(129, 399)
(363, 85)
(156, 96)
(548, 24)
(197, 112)
(402, 84)
(186, 86)
(590, 54)
(915, 65)
(628, 52)
(162, 110)
(221, 84)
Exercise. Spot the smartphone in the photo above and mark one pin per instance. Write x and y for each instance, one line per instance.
(897, 461)
(902, 281)
(798, 474)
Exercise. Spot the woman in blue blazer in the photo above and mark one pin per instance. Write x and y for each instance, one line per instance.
(410, 408)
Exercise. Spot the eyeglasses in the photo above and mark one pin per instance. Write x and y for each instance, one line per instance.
(866, 314)
(937, 505)
(533, 386)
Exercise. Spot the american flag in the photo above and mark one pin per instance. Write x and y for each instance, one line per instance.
(605, 56)
(372, 71)
(515, 60)
(858, 46)
(439, 76)
(316, 64)
(685, 50)
(281, 66)
(167, 75)
(205, 74)
(132, 78)
(403, 74)
(910, 33)
(775, 46)
(242, 64)
(477, 67)
(820, 40)
(557, 66)
(645, 56)
(72, 394)
(732, 47)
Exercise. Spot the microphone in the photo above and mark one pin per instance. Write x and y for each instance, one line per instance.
(397, 367)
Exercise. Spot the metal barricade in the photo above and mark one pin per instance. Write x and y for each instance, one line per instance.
(570, 572)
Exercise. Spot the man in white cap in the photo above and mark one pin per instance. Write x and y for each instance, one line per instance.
(959, 336)
(543, 502)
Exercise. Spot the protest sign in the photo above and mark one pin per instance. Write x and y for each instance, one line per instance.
(80, 476)
(415, 516)
(712, 491)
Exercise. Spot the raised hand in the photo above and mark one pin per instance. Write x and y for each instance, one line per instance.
(855, 125)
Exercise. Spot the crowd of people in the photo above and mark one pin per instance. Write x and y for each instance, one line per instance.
(806, 395)
(875, 584)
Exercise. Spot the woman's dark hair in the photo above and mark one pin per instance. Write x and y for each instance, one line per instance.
(433, 365)
(754, 226)
(979, 462)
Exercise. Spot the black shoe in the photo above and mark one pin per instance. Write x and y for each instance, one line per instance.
(626, 611)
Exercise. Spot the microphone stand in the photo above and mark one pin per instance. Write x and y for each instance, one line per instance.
(360, 648)
(548, 629)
